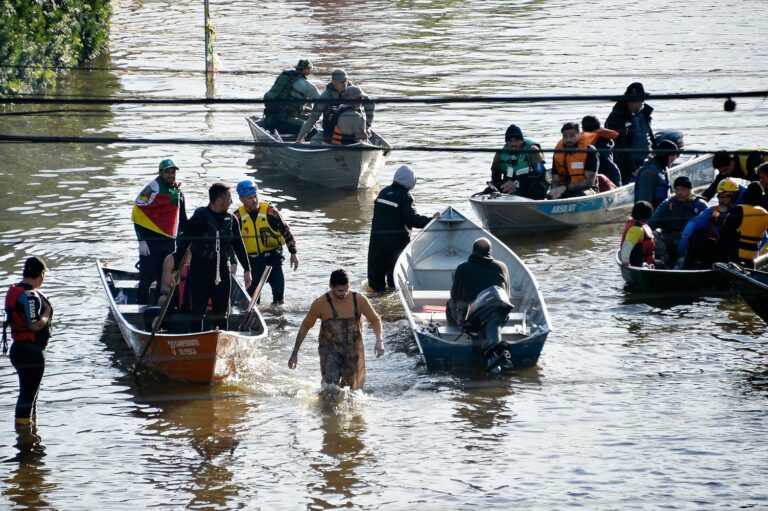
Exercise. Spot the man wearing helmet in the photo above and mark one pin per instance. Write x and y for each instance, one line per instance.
(158, 216)
(264, 233)
(701, 243)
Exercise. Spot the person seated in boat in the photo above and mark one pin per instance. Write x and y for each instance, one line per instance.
(286, 103)
(212, 234)
(176, 319)
(745, 228)
(762, 178)
(347, 124)
(520, 173)
(574, 164)
(631, 118)
(652, 182)
(328, 102)
(741, 164)
(638, 246)
(479, 272)
(604, 144)
(341, 348)
(671, 217)
(700, 243)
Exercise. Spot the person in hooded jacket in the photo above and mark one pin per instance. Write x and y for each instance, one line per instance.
(652, 182)
(631, 118)
(393, 217)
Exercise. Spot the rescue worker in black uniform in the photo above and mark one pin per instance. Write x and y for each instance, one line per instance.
(28, 313)
(393, 217)
(212, 234)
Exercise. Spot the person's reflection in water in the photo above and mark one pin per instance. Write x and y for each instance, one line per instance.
(27, 485)
(207, 423)
(343, 445)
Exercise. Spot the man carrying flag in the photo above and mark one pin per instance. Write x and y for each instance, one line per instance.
(158, 216)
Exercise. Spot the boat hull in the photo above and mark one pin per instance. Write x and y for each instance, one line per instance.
(752, 285)
(324, 165)
(199, 357)
(509, 215)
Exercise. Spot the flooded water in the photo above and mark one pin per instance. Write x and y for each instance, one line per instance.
(636, 403)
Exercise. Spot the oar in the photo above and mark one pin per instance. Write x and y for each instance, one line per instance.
(249, 317)
(159, 320)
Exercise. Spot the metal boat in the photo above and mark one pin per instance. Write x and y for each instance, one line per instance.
(348, 167)
(193, 357)
(509, 215)
(752, 285)
(423, 277)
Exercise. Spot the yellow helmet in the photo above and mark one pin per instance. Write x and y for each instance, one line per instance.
(728, 185)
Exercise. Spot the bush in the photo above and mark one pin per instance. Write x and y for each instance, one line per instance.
(39, 38)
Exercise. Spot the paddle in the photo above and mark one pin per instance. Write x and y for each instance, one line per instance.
(247, 322)
(159, 320)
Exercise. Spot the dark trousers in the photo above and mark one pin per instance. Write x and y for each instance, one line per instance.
(202, 288)
(151, 268)
(284, 127)
(381, 267)
(29, 361)
(276, 278)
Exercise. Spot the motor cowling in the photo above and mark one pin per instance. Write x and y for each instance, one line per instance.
(492, 304)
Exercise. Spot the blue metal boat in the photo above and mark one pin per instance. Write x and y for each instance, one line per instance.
(423, 276)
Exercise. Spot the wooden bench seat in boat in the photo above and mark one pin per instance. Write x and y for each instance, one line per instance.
(126, 284)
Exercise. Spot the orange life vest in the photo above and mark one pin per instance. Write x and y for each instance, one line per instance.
(570, 166)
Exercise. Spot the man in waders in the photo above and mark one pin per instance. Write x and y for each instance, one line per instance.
(342, 354)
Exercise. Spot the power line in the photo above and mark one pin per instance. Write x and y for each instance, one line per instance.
(250, 143)
(25, 99)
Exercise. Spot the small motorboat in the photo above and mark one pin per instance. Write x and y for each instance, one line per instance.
(423, 277)
(348, 167)
(200, 357)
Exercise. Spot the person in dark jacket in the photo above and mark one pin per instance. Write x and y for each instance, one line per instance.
(212, 234)
(604, 145)
(652, 183)
(671, 217)
(520, 173)
(762, 178)
(742, 164)
(286, 103)
(393, 217)
(631, 118)
(478, 273)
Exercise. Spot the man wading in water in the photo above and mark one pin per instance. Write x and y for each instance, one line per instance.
(342, 353)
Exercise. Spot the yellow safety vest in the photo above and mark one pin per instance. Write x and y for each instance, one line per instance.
(753, 225)
(258, 237)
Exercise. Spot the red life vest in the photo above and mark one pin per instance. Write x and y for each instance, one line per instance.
(20, 331)
(643, 252)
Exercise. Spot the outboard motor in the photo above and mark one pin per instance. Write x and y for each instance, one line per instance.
(485, 318)
(673, 136)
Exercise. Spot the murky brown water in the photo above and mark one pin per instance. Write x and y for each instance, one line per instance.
(635, 404)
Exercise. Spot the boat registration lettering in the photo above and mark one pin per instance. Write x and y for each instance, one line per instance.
(183, 346)
(563, 208)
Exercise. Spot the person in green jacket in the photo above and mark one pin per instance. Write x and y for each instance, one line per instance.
(519, 172)
(288, 103)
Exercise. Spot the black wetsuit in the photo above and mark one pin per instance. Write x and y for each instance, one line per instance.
(200, 236)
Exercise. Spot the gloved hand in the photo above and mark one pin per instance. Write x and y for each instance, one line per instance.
(143, 249)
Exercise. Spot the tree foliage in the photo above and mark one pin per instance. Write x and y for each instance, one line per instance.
(40, 38)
